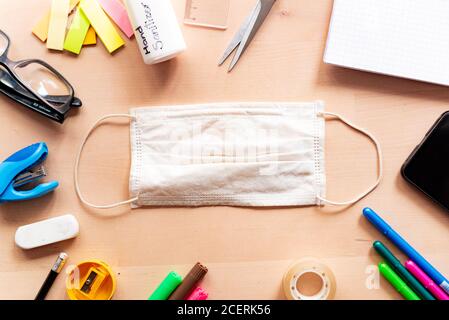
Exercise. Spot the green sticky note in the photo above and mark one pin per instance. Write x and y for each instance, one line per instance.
(77, 32)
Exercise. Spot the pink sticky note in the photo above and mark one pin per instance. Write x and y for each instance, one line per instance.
(116, 10)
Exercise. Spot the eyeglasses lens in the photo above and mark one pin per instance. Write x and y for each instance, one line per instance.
(3, 43)
(43, 82)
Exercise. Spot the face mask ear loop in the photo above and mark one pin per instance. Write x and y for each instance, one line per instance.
(77, 162)
(379, 163)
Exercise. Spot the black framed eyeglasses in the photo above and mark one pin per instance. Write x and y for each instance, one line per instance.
(35, 84)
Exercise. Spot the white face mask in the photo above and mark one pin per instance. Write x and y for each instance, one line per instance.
(250, 154)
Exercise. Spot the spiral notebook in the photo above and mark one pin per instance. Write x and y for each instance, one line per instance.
(404, 38)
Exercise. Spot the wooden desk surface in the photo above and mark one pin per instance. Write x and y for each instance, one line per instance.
(247, 250)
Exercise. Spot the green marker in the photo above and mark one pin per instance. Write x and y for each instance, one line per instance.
(165, 289)
(394, 263)
(397, 282)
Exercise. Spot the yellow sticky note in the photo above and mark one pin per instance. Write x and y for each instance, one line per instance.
(102, 25)
(91, 37)
(40, 30)
(77, 33)
(58, 23)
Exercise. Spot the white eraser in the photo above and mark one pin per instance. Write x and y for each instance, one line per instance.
(47, 231)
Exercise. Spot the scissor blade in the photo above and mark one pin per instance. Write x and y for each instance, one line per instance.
(238, 36)
(261, 11)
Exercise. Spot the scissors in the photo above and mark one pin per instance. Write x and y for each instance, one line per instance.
(247, 31)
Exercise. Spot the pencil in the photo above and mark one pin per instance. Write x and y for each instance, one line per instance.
(51, 277)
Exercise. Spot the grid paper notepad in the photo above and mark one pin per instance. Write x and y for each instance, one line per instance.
(405, 38)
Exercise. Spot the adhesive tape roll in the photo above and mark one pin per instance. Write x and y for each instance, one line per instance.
(313, 267)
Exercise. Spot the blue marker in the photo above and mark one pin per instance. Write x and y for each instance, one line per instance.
(407, 249)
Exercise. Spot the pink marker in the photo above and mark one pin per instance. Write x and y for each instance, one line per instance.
(425, 280)
(198, 294)
(116, 10)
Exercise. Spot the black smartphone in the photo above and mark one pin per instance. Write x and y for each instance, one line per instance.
(427, 168)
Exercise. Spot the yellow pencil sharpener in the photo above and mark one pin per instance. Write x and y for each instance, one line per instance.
(91, 280)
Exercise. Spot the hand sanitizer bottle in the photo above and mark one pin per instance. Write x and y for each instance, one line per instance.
(156, 29)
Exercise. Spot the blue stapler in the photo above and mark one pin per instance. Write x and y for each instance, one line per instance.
(21, 168)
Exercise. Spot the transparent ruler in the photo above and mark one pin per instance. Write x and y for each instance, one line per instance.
(207, 13)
